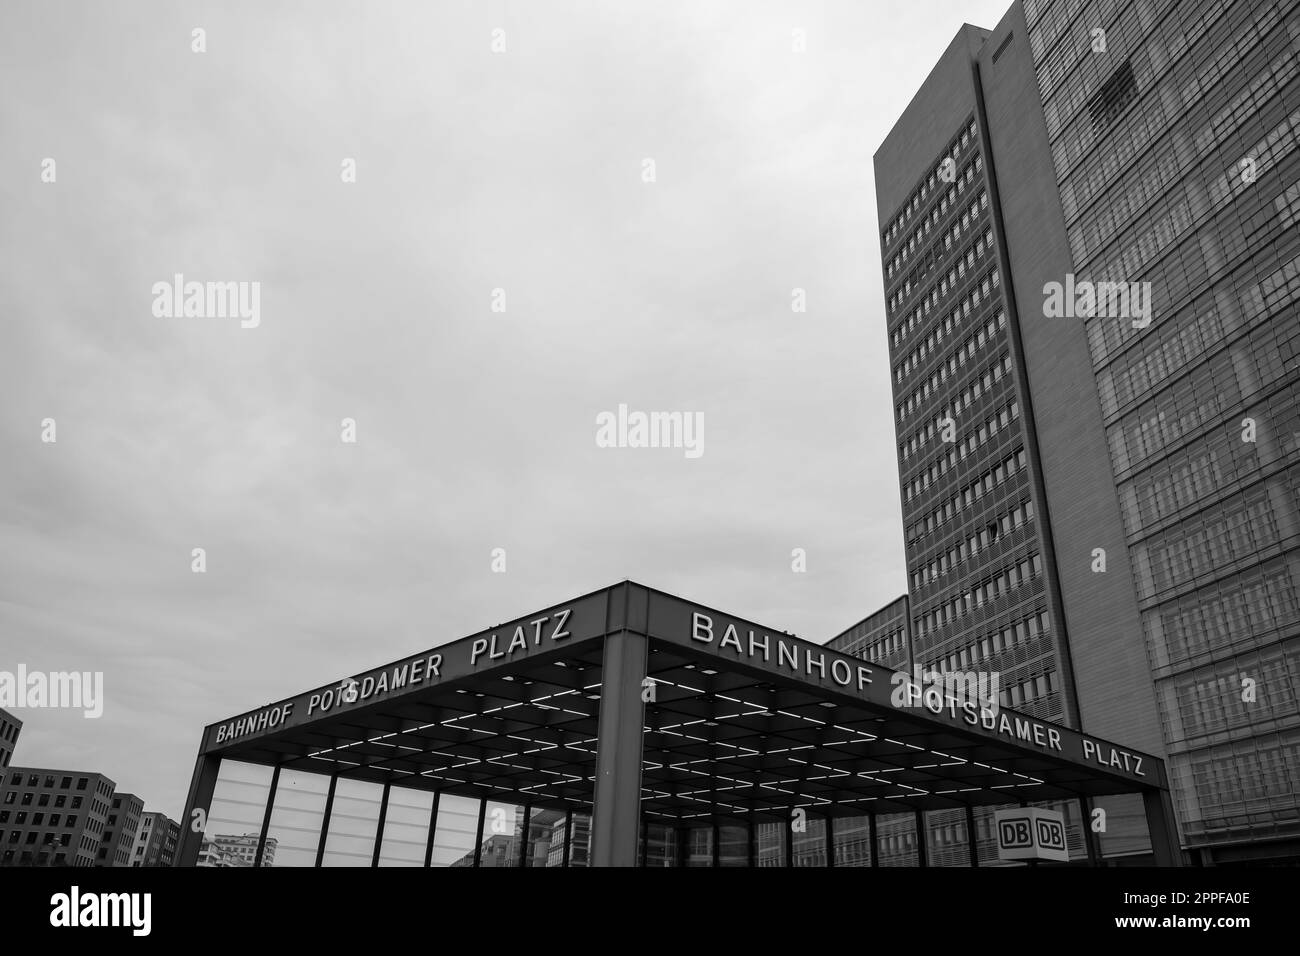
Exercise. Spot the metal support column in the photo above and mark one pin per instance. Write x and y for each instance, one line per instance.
(478, 835)
(970, 836)
(379, 827)
(875, 842)
(922, 858)
(615, 817)
(202, 785)
(266, 817)
(524, 842)
(830, 840)
(568, 832)
(1161, 826)
(325, 820)
(1090, 840)
(433, 829)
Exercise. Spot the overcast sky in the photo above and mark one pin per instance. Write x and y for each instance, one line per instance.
(475, 429)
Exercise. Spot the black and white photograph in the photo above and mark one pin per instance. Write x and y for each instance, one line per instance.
(625, 435)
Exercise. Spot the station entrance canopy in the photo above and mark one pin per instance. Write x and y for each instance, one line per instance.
(640, 708)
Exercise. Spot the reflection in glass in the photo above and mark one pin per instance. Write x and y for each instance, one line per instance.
(353, 821)
(235, 816)
(769, 843)
(896, 834)
(580, 840)
(699, 845)
(502, 836)
(852, 841)
(809, 841)
(294, 833)
(545, 838)
(660, 847)
(406, 827)
(733, 845)
(455, 836)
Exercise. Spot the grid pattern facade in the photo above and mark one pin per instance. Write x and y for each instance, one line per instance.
(882, 638)
(120, 829)
(1175, 136)
(977, 591)
(52, 817)
(156, 841)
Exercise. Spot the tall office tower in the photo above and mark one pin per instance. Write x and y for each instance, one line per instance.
(987, 592)
(1099, 490)
(1174, 140)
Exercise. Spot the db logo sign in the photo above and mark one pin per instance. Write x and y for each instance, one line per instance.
(1015, 834)
(1029, 833)
(1051, 834)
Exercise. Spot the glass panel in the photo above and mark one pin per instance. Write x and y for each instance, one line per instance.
(769, 843)
(454, 837)
(699, 845)
(896, 833)
(945, 838)
(354, 819)
(294, 833)
(502, 835)
(810, 842)
(545, 845)
(661, 845)
(852, 841)
(733, 845)
(580, 840)
(406, 827)
(235, 816)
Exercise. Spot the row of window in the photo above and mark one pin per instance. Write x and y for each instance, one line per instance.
(1226, 614)
(945, 328)
(1238, 784)
(38, 819)
(64, 783)
(1209, 467)
(963, 399)
(987, 591)
(1241, 529)
(49, 839)
(887, 647)
(959, 142)
(970, 303)
(43, 799)
(1153, 61)
(969, 217)
(1213, 700)
(975, 439)
(1183, 205)
(1176, 414)
(986, 650)
(1257, 286)
(952, 559)
(939, 377)
(981, 486)
(936, 216)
